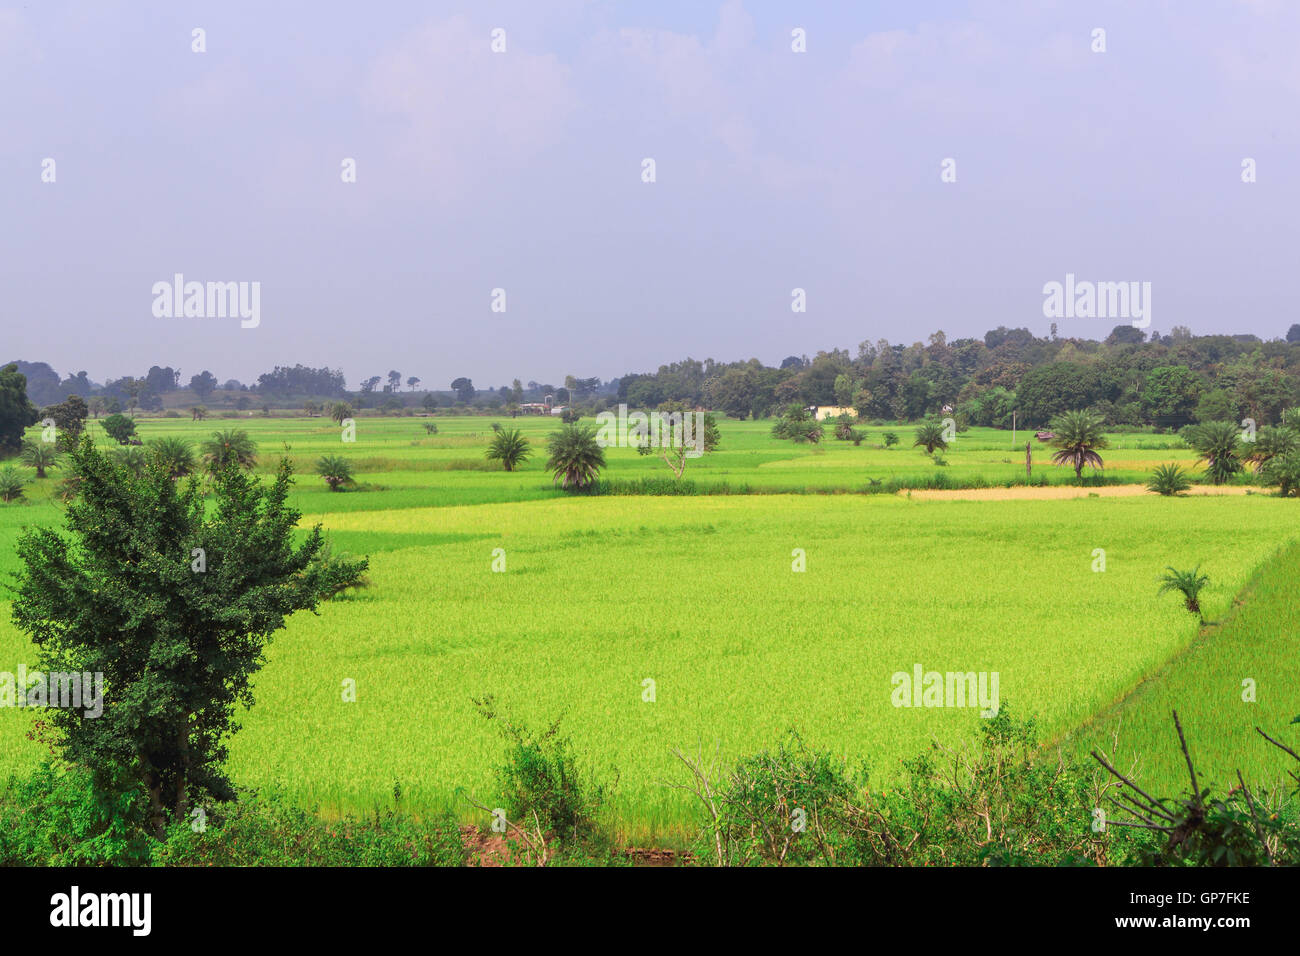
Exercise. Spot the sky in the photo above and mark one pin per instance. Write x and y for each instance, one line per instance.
(523, 170)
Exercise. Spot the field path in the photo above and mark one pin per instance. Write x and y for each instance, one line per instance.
(1060, 491)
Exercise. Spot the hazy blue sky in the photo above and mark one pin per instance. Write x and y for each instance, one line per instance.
(522, 170)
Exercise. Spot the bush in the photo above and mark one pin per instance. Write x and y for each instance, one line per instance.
(265, 830)
(59, 816)
(120, 428)
(1169, 480)
(995, 803)
(544, 793)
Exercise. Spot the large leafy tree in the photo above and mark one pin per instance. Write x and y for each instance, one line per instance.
(120, 593)
(1170, 395)
(120, 428)
(69, 415)
(16, 410)
(464, 389)
(1078, 439)
(575, 456)
(203, 385)
(1051, 390)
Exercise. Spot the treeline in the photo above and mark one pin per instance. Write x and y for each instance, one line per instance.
(1128, 379)
(1164, 381)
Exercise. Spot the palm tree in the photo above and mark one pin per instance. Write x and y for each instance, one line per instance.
(575, 456)
(229, 447)
(1078, 439)
(510, 447)
(1187, 583)
(1216, 444)
(40, 455)
(929, 436)
(132, 458)
(336, 470)
(11, 483)
(1284, 472)
(1169, 480)
(1270, 442)
(176, 455)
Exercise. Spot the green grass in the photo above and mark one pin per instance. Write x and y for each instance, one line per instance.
(1256, 641)
(697, 594)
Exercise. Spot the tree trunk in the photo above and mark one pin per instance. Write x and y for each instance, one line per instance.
(182, 777)
(157, 813)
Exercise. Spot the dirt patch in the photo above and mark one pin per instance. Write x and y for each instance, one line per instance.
(496, 849)
(487, 849)
(653, 857)
(1061, 491)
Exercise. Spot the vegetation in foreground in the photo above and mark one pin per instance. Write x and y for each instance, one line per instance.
(997, 801)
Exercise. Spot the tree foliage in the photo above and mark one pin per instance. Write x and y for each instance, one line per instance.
(119, 593)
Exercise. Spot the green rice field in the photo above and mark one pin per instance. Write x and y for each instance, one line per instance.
(697, 594)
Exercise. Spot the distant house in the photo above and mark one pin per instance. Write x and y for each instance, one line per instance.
(534, 408)
(559, 409)
(1044, 436)
(823, 412)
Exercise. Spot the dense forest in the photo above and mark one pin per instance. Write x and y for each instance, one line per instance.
(1164, 381)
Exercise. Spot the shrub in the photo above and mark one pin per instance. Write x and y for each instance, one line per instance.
(263, 829)
(549, 802)
(60, 816)
(1169, 480)
(11, 483)
(120, 428)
